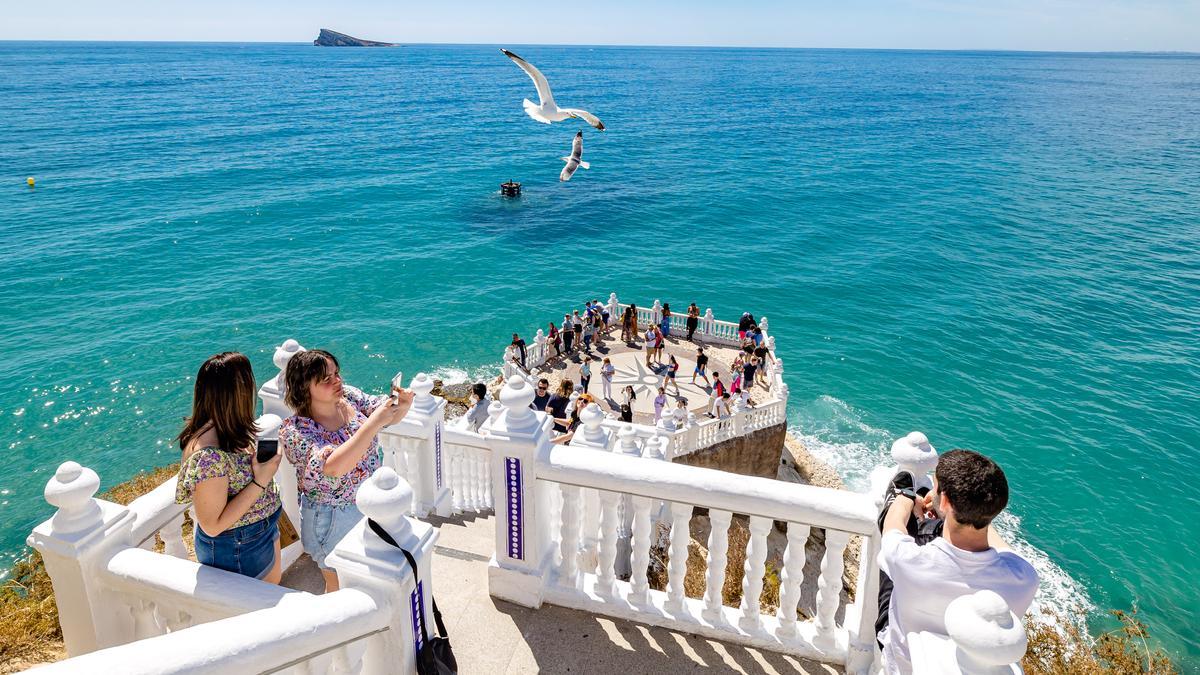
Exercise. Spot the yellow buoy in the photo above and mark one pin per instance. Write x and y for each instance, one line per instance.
(29, 181)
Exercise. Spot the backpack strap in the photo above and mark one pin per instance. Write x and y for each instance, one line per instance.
(437, 614)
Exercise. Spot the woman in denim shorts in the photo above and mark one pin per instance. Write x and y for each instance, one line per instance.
(235, 497)
(333, 441)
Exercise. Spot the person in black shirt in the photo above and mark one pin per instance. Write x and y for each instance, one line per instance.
(557, 405)
(701, 366)
(693, 319)
(542, 397)
(745, 325)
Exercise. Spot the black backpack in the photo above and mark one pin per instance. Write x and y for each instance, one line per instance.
(435, 657)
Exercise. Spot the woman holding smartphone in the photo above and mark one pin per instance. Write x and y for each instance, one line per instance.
(333, 441)
(233, 493)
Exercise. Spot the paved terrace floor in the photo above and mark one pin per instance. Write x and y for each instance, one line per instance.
(496, 637)
(629, 359)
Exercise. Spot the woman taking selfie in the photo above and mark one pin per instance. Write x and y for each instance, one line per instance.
(234, 495)
(333, 441)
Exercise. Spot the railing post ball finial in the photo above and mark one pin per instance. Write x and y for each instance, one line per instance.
(516, 396)
(592, 417)
(763, 324)
(71, 490)
(612, 299)
(708, 315)
(385, 497)
(285, 352)
(494, 409)
(915, 454)
(986, 631)
(421, 385)
(627, 442)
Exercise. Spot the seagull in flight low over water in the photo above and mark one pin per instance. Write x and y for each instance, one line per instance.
(574, 161)
(548, 111)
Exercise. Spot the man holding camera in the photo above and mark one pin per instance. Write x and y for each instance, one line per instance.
(941, 545)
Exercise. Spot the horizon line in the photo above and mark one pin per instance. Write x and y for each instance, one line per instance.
(660, 46)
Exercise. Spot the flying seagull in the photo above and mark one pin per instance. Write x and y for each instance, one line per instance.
(548, 111)
(573, 162)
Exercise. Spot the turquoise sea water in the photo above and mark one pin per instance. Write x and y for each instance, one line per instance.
(996, 249)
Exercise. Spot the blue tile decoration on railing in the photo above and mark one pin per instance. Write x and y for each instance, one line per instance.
(512, 479)
(418, 616)
(437, 452)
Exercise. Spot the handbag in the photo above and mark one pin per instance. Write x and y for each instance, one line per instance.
(436, 657)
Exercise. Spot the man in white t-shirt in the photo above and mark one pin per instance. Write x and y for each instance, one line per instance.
(969, 490)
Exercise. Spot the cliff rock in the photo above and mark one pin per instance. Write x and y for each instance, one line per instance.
(332, 38)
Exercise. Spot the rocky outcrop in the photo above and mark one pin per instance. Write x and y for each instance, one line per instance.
(332, 38)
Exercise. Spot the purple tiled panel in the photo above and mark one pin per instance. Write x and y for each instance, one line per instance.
(418, 617)
(512, 481)
(437, 452)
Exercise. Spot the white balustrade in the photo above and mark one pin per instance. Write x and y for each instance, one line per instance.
(126, 609)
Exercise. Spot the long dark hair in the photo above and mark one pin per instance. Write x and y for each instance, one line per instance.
(302, 369)
(223, 398)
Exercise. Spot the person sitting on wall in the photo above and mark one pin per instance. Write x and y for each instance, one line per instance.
(333, 441)
(919, 581)
(235, 497)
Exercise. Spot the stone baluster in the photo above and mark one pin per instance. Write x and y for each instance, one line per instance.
(516, 437)
(478, 479)
(915, 454)
(714, 582)
(707, 323)
(605, 578)
(627, 444)
(640, 561)
(81, 536)
(790, 581)
(172, 537)
(458, 482)
(366, 562)
(829, 587)
(861, 653)
(681, 515)
(144, 625)
(572, 503)
(752, 582)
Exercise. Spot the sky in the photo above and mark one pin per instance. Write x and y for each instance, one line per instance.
(1049, 25)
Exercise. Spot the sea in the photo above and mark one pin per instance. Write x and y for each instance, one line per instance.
(997, 249)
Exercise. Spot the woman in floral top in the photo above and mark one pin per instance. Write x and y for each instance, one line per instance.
(234, 496)
(332, 440)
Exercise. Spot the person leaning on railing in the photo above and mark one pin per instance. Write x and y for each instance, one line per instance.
(333, 441)
(235, 497)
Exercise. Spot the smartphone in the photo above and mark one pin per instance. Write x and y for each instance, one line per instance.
(397, 382)
(267, 450)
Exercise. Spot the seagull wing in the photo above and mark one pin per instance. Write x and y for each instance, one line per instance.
(569, 170)
(585, 116)
(539, 80)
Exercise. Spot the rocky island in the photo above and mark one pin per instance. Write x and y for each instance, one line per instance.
(332, 38)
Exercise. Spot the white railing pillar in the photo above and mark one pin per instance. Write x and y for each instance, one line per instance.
(541, 352)
(75, 545)
(613, 307)
(707, 322)
(272, 393)
(915, 454)
(593, 435)
(518, 438)
(367, 563)
(422, 430)
(984, 638)
(860, 618)
(656, 312)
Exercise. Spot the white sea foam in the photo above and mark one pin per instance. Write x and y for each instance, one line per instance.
(834, 432)
(454, 374)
